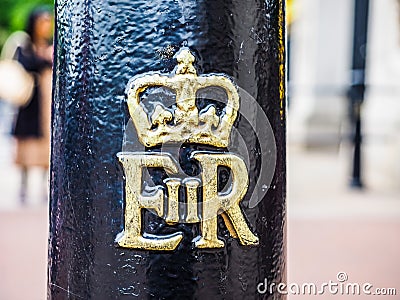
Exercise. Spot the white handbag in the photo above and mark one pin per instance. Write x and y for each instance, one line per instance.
(16, 84)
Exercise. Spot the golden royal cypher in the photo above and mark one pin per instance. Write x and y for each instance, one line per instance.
(184, 124)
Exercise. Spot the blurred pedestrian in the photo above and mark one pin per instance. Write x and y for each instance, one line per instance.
(32, 125)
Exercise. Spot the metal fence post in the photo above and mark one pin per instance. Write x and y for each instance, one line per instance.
(168, 168)
(357, 87)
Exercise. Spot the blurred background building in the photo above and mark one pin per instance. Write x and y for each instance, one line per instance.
(321, 52)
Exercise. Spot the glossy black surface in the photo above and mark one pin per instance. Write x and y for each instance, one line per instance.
(100, 45)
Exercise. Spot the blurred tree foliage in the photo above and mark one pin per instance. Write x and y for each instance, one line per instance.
(13, 15)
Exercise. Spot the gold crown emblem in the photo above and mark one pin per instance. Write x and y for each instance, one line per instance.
(184, 123)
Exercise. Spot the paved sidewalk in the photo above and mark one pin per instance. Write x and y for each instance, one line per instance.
(23, 259)
(366, 250)
(333, 229)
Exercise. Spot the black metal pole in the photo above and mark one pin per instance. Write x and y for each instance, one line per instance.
(119, 228)
(357, 88)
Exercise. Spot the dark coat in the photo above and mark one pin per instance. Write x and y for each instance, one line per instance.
(28, 121)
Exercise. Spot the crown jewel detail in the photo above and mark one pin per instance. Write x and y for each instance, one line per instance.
(184, 123)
